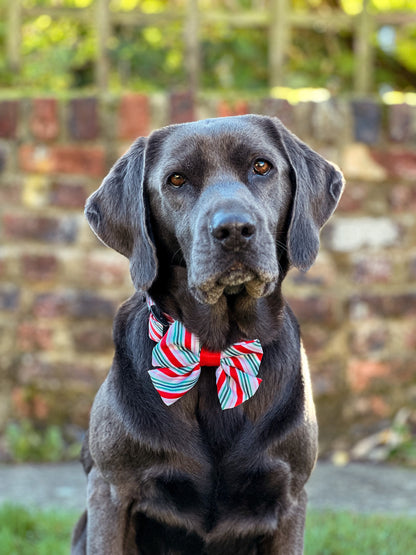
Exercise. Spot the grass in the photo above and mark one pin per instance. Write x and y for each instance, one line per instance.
(34, 532)
(342, 533)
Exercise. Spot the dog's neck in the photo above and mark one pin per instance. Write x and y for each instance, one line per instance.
(232, 319)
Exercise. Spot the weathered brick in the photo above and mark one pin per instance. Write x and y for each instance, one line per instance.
(384, 306)
(89, 305)
(328, 121)
(39, 267)
(226, 109)
(322, 273)
(397, 162)
(133, 116)
(10, 192)
(9, 114)
(44, 122)
(68, 195)
(181, 107)
(369, 337)
(367, 121)
(362, 373)
(3, 157)
(9, 297)
(357, 163)
(29, 404)
(399, 121)
(40, 228)
(83, 122)
(32, 337)
(353, 198)
(52, 304)
(317, 308)
(68, 159)
(315, 338)
(351, 234)
(372, 268)
(402, 198)
(106, 269)
(412, 269)
(280, 108)
(97, 340)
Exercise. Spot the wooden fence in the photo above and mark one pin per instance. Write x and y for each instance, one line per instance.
(276, 17)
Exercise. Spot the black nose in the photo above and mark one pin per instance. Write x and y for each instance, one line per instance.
(232, 229)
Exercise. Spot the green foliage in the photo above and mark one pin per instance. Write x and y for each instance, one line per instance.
(26, 442)
(33, 532)
(58, 53)
(342, 533)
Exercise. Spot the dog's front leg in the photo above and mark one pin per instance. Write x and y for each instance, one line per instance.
(108, 517)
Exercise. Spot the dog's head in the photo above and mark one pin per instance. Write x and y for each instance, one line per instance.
(229, 198)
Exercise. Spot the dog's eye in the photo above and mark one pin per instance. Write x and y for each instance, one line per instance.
(176, 180)
(262, 167)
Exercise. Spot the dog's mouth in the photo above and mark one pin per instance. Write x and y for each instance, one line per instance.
(237, 279)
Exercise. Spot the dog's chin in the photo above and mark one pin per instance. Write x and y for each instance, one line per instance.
(234, 282)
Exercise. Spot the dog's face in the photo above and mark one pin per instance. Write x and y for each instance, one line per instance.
(227, 198)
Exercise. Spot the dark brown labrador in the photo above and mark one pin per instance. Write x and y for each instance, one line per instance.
(211, 215)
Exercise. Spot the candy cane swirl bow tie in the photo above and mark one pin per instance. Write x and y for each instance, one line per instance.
(178, 357)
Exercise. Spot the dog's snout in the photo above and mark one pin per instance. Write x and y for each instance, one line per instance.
(232, 229)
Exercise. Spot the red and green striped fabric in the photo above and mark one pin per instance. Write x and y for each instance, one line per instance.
(178, 356)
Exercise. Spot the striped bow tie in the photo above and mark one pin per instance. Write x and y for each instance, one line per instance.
(178, 357)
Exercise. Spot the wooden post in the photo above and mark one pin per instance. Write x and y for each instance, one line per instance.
(279, 36)
(363, 52)
(102, 14)
(192, 52)
(14, 25)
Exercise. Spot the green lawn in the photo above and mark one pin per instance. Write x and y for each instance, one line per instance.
(33, 532)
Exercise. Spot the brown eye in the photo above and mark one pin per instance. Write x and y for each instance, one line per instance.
(262, 167)
(176, 180)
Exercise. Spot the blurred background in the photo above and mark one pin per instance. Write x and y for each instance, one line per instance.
(80, 79)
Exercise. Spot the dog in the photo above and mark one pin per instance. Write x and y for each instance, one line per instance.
(211, 215)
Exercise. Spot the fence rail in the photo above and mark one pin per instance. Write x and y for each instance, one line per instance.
(278, 20)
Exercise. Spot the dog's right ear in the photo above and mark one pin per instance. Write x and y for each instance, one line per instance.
(116, 213)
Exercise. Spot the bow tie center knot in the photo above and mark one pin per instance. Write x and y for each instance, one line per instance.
(209, 358)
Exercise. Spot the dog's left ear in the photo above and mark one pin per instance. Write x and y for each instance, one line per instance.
(318, 188)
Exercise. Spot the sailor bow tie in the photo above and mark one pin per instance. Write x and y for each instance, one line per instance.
(178, 357)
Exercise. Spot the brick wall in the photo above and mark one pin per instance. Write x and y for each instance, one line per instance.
(59, 287)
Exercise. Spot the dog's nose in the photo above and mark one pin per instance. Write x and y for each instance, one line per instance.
(232, 230)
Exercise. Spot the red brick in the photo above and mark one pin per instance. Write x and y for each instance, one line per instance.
(83, 121)
(403, 198)
(3, 158)
(69, 159)
(86, 305)
(109, 269)
(38, 267)
(226, 109)
(353, 197)
(9, 298)
(373, 305)
(41, 228)
(31, 337)
(29, 404)
(98, 340)
(68, 195)
(10, 192)
(362, 373)
(373, 269)
(133, 116)
(369, 339)
(400, 119)
(280, 108)
(9, 114)
(51, 305)
(315, 339)
(319, 309)
(398, 162)
(182, 107)
(44, 122)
